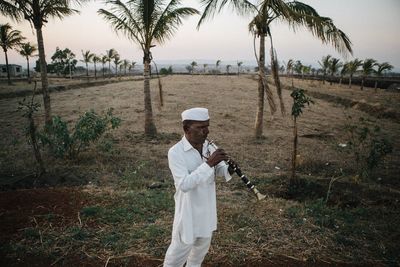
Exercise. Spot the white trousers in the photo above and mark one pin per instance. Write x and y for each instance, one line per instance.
(178, 252)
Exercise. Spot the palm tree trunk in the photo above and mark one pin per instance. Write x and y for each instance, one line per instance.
(95, 71)
(29, 75)
(376, 86)
(362, 83)
(149, 126)
(43, 74)
(258, 130)
(262, 86)
(351, 76)
(87, 70)
(109, 68)
(8, 69)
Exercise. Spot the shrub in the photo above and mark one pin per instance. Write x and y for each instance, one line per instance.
(164, 71)
(367, 145)
(88, 129)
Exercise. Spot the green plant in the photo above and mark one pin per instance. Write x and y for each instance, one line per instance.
(367, 145)
(88, 129)
(29, 108)
(105, 145)
(300, 99)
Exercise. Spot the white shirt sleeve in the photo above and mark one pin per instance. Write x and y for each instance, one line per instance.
(184, 180)
(222, 170)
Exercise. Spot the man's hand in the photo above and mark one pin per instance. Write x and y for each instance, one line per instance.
(216, 157)
(231, 167)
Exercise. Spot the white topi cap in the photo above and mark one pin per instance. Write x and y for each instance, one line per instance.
(195, 114)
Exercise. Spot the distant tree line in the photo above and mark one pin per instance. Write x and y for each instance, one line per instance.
(333, 69)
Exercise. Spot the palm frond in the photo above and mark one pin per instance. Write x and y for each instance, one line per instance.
(212, 7)
(368, 66)
(383, 67)
(123, 20)
(27, 49)
(9, 38)
(168, 23)
(273, 9)
(8, 8)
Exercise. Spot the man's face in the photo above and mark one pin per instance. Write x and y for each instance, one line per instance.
(197, 132)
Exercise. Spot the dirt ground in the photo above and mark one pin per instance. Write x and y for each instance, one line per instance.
(232, 102)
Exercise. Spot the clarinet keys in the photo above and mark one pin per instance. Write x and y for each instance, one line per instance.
(245, 180)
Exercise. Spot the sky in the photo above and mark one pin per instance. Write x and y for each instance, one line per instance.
(373, 27)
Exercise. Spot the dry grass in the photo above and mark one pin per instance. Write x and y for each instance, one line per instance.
(302, 229)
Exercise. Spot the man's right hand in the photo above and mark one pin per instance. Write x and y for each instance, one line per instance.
(216, 157)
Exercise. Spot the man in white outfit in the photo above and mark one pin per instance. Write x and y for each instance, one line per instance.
(194, 165)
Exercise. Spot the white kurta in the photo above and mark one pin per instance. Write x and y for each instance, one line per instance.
(195, 197)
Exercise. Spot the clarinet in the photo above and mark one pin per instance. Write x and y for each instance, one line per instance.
(243, 177)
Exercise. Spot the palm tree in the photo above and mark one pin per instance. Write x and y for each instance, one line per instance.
(37, 12)
(334, 66)
(228, 67)
(132, 66)
(95, 59)
(121, 66)
(343, 72)
(367, 69)
(104, 60)
(193, 64)
(217, 64)
(382, 67)
(110, 56)
(27, 51)
(282, 68)
(9, 39)
(239, 64)
(266, 11)
(117, 61)
(145, 21)
(87, 58)
(324, 63)
(125, 64)
(204, 68)
(70, 59)
(352, 68)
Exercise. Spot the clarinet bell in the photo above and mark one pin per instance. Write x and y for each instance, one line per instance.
(259, 195)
